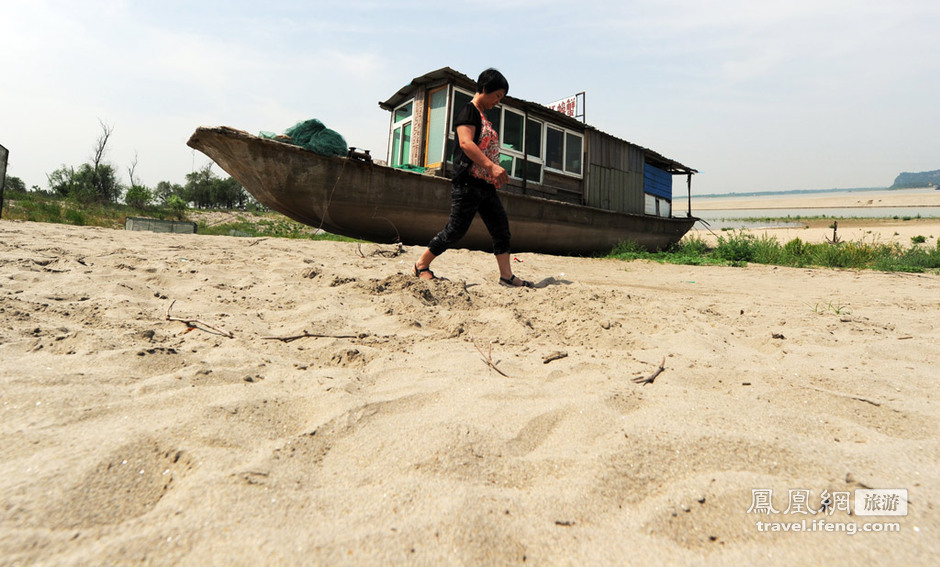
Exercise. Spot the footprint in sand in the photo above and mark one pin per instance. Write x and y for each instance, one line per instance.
(125, 485)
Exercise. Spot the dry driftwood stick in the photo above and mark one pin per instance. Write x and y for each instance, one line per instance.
(488, 358)
(398, 251)
(308, 335)
(649, 379)
(196, 323)
(557, 355)
(394, 253)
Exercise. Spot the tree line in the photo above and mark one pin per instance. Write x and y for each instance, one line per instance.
(96, 181)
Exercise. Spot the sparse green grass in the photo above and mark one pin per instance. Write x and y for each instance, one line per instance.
(42, 207)
(836, 308)
(739, 248)
(690, 251)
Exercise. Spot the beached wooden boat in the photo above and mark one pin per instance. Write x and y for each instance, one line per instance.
(555, 204)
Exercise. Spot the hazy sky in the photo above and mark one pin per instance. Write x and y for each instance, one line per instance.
(757, 95)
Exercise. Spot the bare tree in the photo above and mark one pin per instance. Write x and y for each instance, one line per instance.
(104, 180)
(130, 170)
(101, 145)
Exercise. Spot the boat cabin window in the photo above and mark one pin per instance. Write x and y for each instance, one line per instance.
(531, 171)
(533, 138)
(513, 130)
(554, 148)
(400, 143)
(404, 111)
(573, 153)
(512, 142)
(563, 150)
(436, 127)
(522, 146)
(533, 150)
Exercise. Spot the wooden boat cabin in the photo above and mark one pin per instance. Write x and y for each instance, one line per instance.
(546, 153)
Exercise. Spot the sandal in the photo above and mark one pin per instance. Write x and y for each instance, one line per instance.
(510, 282)
(419, 271)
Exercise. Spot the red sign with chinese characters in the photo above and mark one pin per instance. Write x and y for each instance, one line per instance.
(570, 106)
(567, 106)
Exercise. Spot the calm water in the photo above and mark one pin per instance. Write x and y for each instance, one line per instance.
(749, 218)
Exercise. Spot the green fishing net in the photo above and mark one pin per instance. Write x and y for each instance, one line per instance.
(314, 136)
(409, 167)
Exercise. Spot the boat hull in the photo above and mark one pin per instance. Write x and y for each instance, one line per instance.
(362, 200)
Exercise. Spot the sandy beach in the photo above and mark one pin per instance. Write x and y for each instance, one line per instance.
(208, 400)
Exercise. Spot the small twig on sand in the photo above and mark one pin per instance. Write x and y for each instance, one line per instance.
(488, 358)
(398, 251)
(557, 355)
(196, 323)
(649, 379)
(394, 253)
(306, 335)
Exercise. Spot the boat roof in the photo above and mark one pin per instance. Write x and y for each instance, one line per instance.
(446, 75)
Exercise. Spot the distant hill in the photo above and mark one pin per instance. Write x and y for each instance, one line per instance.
(922, 179)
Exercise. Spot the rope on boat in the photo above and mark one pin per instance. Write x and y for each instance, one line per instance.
(330, 200)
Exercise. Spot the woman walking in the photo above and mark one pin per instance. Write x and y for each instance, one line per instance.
(477, 176)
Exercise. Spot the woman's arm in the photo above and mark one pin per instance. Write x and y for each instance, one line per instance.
(465, 134)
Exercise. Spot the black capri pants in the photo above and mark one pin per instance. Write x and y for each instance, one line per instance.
(468, 199)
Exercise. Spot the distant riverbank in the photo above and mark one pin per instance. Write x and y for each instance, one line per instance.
(884, 215)
(871, 199)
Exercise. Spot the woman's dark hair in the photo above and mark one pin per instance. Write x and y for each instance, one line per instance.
(491, 81)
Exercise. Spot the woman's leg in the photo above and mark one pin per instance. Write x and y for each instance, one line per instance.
(423, 265)
(497, 222)
(463, 206)
(505, 270)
